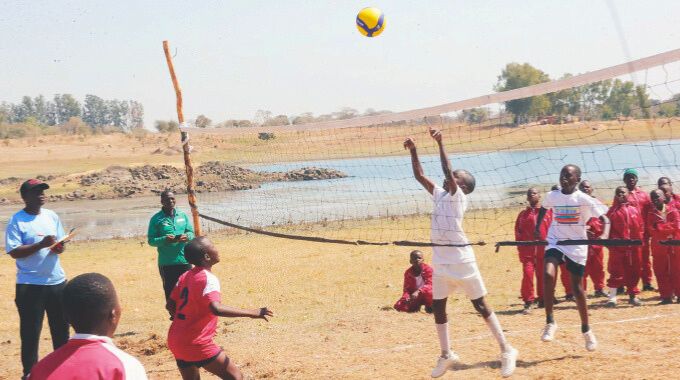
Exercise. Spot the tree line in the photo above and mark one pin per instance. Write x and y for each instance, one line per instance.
(264, 118)
(605, 100)
(64, 111)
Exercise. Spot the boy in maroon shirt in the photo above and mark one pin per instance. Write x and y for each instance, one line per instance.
(663, 222)
(624, 262)
(417, 286)
(640, 199)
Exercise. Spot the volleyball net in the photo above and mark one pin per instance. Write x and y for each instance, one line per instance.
(350, 180)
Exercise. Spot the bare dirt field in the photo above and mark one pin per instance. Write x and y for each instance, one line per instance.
(333, 316)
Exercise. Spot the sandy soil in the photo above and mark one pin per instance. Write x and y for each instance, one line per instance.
(333, 316)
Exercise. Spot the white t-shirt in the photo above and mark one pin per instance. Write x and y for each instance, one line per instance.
(447, 227)
(570, 214)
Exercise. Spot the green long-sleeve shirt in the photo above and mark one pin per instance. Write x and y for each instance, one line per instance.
(169, 253)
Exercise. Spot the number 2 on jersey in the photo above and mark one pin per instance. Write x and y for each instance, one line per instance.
(184, 295)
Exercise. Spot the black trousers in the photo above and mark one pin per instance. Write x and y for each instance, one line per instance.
(170, 274)
(32, 302)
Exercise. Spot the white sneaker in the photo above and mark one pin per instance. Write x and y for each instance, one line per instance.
(591, 341)
(444, 364)
(509, 362)
(549, 332)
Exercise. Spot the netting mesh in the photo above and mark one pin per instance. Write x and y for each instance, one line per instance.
(356, 183)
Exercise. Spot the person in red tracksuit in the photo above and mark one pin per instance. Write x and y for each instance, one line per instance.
(417, 286)
(595, 263)
(663, 222)
(624, 262)
(640, 199)
(531, 256)
(665, 185)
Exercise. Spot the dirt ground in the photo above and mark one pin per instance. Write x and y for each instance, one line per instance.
(333, 316)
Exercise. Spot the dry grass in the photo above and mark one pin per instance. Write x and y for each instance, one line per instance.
(333, 316)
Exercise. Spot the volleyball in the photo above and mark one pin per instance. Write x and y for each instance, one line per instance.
(370, 22)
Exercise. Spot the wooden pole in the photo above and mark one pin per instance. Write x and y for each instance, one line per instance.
(191, 194)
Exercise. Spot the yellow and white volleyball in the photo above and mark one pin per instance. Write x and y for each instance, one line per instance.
(370, 22)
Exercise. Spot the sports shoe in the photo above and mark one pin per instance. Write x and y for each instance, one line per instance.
(444, 364)
(599, 294)
(569, 297)
(648, 288)
(549, 332)
(666, 301)
(635, 301)
(611, 303)
(509, 362)
(527, 308)
(591, 341)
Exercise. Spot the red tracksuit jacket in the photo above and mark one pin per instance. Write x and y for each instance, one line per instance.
(410, 280)
(525, 226)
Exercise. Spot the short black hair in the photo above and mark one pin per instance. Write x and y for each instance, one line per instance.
(658, 182)
(576, 169)
(88, 300)
(467, 178)
(165, 193)
(195, 250)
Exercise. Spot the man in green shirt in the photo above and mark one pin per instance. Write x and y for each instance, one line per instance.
(169, 232)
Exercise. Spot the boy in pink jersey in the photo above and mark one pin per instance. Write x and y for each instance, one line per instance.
(194, 305)
(91, 306)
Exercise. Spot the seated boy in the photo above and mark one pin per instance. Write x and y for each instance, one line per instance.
(417, 286)
(91, 306)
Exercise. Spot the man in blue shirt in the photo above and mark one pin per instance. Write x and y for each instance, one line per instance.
(30, 239)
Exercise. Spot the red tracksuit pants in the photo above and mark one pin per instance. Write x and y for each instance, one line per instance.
(532, 266)
(414, 304)
(667, 270)
(595, 267)
(624, 268)
(646, 264)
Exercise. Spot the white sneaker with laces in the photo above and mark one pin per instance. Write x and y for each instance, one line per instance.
(444, 364)
(549, 332)
(509, 362)
(591, 341)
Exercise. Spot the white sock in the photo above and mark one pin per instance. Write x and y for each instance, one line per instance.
(443, 334)
(497, 331)
(612, 294)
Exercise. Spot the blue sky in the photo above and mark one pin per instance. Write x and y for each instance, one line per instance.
(235, 57)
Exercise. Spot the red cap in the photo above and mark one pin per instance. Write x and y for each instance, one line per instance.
(32, 184)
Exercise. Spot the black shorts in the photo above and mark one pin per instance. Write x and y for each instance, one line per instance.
(198, 364)
(561, 258)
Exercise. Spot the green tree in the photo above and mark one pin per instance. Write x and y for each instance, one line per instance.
(516, 75)
(95, 111)
(65, 107)
(643, 102)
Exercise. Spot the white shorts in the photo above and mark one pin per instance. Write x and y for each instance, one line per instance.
(465, 278)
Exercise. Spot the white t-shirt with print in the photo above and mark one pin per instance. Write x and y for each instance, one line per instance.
(570, 214)
(447, 227)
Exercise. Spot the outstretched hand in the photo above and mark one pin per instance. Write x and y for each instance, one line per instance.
(436, 134)
(409, 143)
(264, 313)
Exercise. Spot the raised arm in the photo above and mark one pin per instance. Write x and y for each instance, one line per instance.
(446, 164)
(417, 167)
